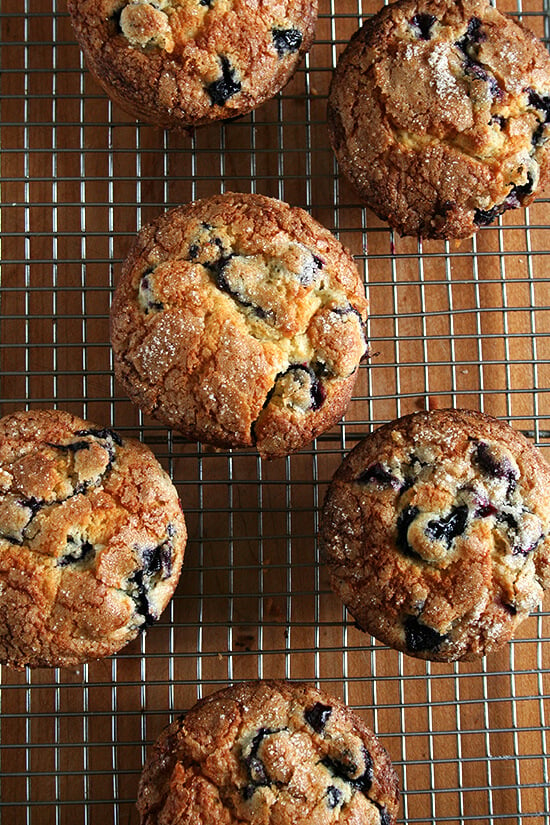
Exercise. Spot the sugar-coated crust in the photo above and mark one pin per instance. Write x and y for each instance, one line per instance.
(439, 115)
(92, 539)
(268, 752)
(436, 533)
(239, 321)
(179, 63)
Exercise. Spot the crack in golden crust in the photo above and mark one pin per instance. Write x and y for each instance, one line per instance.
(92, 539)
(181, 64)
(240, 321)
(441, 520)
(438, 133)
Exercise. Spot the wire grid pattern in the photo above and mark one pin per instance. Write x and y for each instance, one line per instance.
(451, 324)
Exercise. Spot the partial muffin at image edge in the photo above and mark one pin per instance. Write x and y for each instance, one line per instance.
(239, 321)
(182, 63)
(439, 115)
(435, 529)
(268, 751)
(92, 539)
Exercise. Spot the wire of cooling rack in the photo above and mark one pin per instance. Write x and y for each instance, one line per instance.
(450, 325)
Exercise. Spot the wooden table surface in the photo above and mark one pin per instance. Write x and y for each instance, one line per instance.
(463, 325)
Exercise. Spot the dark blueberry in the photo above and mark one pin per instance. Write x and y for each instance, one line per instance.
(334, 796)
(156, 305)
(484, 508)
(256, 769)
(449, 527)
(538, 134)
(110, 437)
(508, 519)
(500, 120)
(157, 559)
(483, 217)
(512, 528)
(318, 394)
(316, 389)
(347, 310)
(82, 552)
(422, 23)
(419, 637)
(141, 600)
(145, 277)
(71, 448)
(363, 783)
(310, 270)
(404, 521)
(226, 86)
(318, 716)
(206, 3)
(33, 504)
(104, 433)
(475, 69)
(473, 36)
(302, 373)
(223, 284)
(541, 104)
(520, 192)
(217, 267)
(510, 608)
(194, 250)
(345, 770)
(286, 40)
(385, 818)
(146, 285)
(379, 474)
(518, 550)
(351, 310)
(80, 489)
(248, 791)
(494, 467)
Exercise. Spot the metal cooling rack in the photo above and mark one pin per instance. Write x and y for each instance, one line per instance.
(461, 325)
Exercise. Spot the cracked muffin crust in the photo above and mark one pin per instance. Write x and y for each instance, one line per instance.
(178, 63)
(268, 753)
(91, 539)
(439, 115)
(239, 321)
(436, 533)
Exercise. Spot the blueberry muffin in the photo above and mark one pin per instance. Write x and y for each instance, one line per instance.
(439, 115)
(436, 533)
(268, 753)
(178, 63)
(239, 321)
(91, 539)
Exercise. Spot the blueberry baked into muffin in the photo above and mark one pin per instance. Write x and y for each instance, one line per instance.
(179, 63)
(436, 533)
(269, 753)
(91, 539)
(239, 321)
(439, 115)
